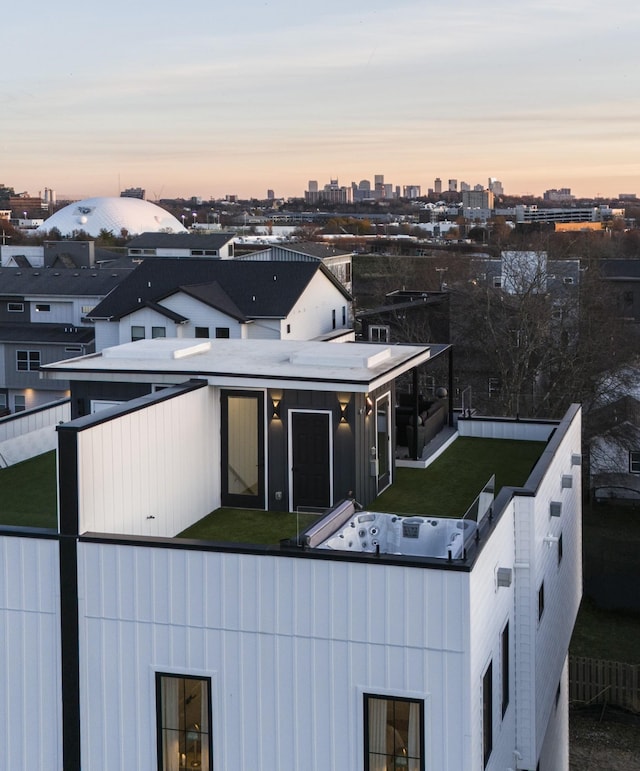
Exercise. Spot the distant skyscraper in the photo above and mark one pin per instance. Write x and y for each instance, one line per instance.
(437, 186)
(464, 186)
(411, 191)
(270, 195)
(313, 186)
(495, 186)
(453, 185)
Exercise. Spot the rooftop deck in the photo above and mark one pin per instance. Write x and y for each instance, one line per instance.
(446, 488)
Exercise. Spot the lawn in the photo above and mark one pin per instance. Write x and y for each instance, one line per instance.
(451, 483)
(248, 526)
(28, 493)
(611, 635)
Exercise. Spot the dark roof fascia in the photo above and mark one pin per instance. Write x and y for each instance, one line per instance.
(191, 289)
(172, 315)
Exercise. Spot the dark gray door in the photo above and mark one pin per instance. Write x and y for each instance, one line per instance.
(310, 460)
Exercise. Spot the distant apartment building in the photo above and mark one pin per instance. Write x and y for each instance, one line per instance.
(453, 185)
(331, 193)
(477, 199)
(464, 186)
(437, 185)
(563, 194)
(134, 192)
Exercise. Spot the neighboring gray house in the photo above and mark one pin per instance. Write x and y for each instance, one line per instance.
(43, 318)
(338, 261)
(210, 298)
(613, 442)
(182, 245)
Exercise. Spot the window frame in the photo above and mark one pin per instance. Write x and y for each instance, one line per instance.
(540, 601)
(205, 736)
(367, 697)
(634, 461)
(158, 332)
(15, 307)
(138, 337)
(43, 307)
(487, 714)
(505, 667)
(32, 360)
(375, 333)
(202, 333)
(223, 333)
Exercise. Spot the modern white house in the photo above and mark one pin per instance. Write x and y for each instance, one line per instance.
(234, 299)
(425, 644)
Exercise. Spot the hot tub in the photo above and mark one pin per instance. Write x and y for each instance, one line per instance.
(370, 531)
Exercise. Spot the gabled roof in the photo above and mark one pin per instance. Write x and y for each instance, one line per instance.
(246, 289)
(180, 241)
(213, 295)
(166, 312)
(92, 282)
(302, 250)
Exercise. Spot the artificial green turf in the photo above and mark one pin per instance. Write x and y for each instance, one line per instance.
(248, 526)
(452, 482)
(28, 493)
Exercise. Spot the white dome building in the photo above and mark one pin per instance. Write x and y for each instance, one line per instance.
(113, 214)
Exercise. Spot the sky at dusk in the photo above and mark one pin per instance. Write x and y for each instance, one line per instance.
(214, 98)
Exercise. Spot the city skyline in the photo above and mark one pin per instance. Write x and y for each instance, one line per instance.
(240, 99)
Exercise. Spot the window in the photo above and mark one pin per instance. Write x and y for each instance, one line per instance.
(568, 279)
(183, 718)
(333, 318)
(560, 548)
(493, 386)
(3, 401)
(347, 272)
(497, 282)
(393, 733)
(43, 307)
(487, 714)
(634, 461)
(504, 644)
(15, 307)
(222, 332)
(19, 403)
(378, 334)
(137, 333)
(158, 332)
(87, 308)
(73, 349)
(288, 329)
(344, 315)
(27, 361)
(540, 601)
(202, 332)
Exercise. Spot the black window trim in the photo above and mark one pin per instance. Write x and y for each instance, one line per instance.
(159, 727)
(392, 697)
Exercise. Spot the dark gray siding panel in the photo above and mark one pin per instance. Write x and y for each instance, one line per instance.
(82, 394)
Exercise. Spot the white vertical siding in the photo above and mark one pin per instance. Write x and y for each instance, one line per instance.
(166, 460)
(491, 607)
(30, 692)
(311, 316)
(107, 334)
(291, 645)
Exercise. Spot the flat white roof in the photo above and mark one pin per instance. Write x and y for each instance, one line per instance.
(260, 363)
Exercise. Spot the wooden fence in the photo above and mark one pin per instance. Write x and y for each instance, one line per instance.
(593, 681)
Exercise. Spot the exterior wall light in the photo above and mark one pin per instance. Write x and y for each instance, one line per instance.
(275, 409)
